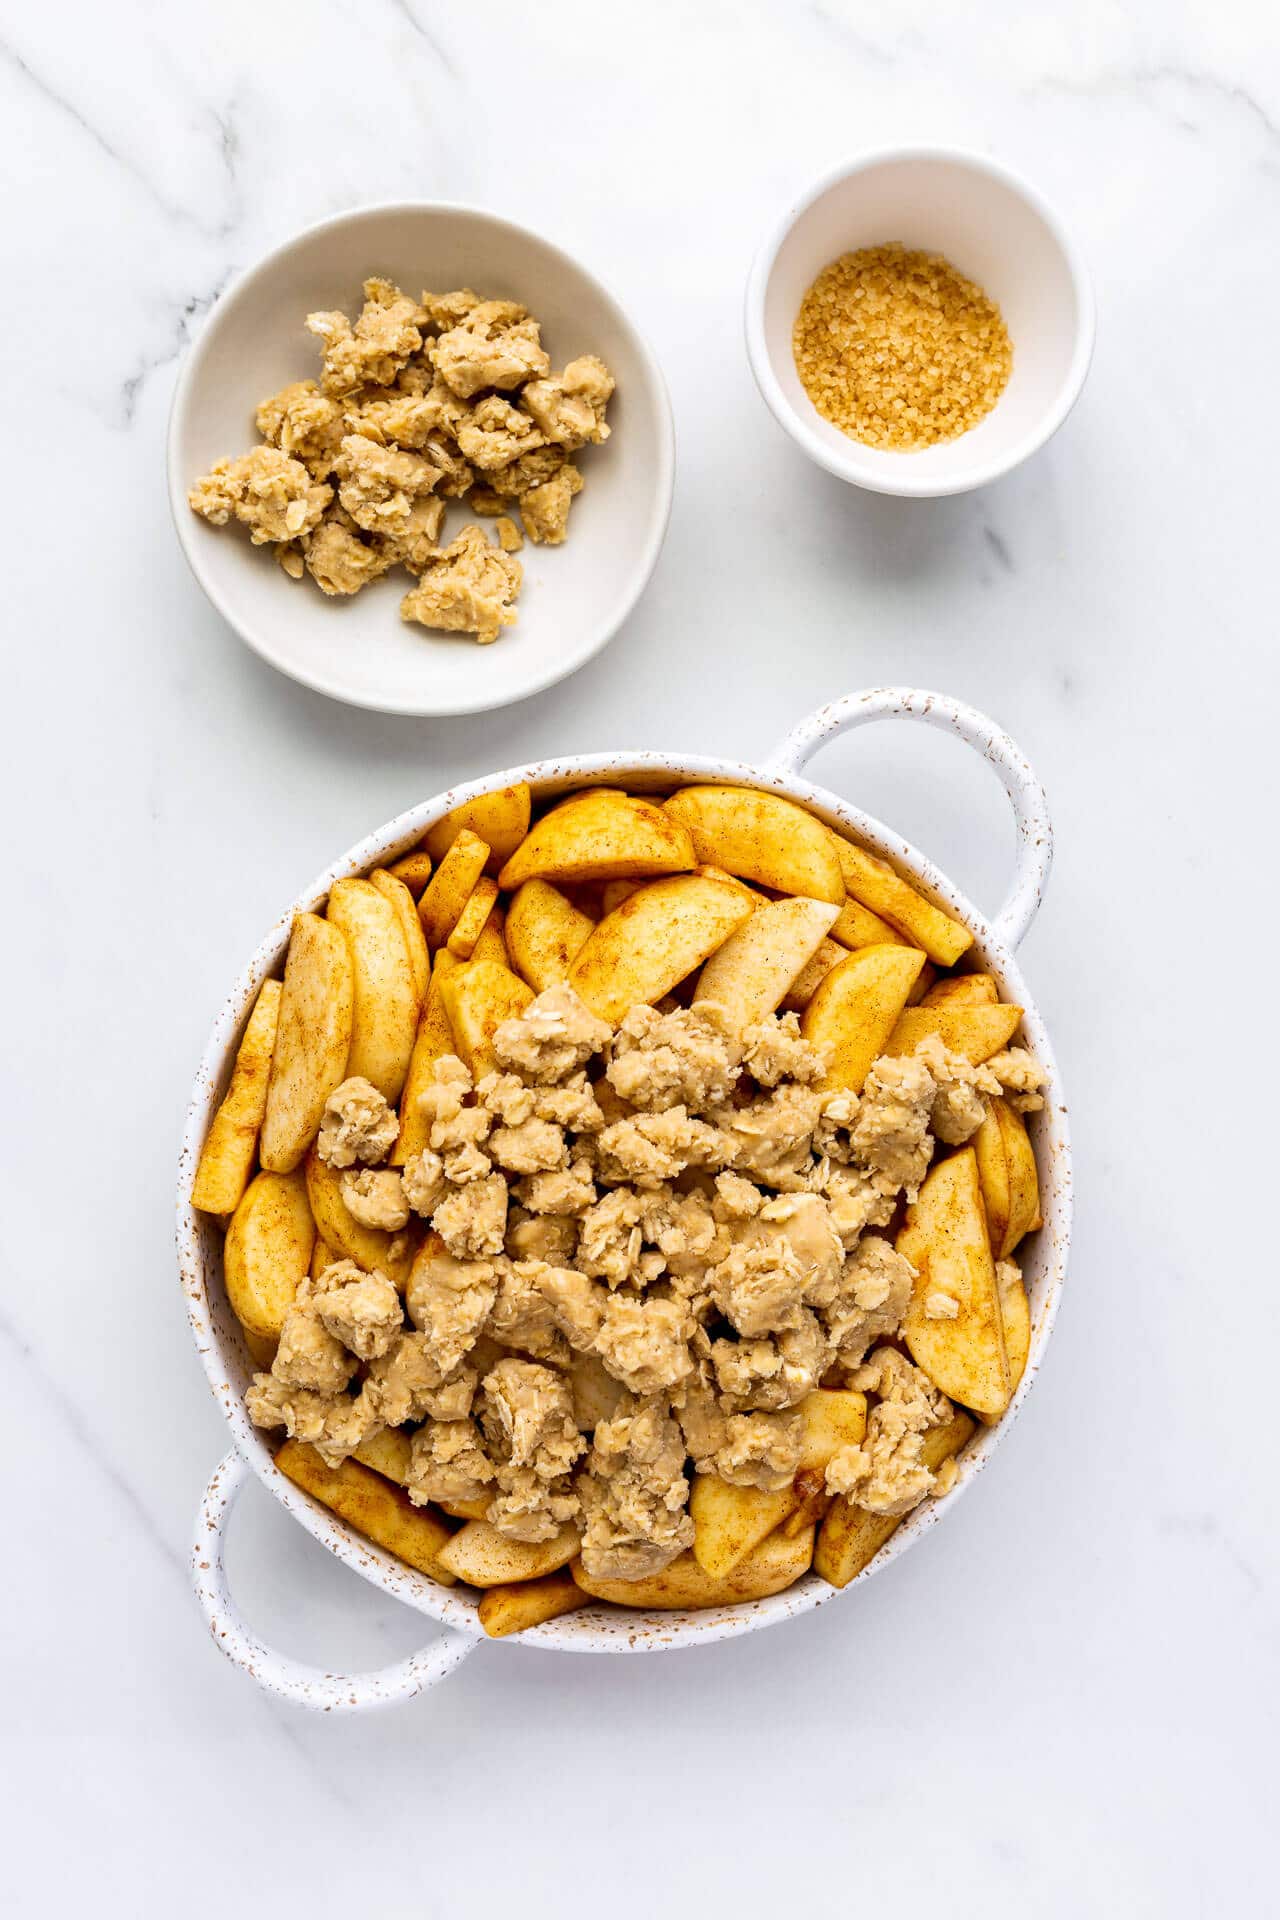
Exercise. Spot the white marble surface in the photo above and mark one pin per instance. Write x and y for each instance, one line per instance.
(1065, 1703)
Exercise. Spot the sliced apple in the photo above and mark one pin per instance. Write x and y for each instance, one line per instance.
(856, 1008)
(974, 1032)
(761, 837)
(1024, 1179)
(370, 1247)
(834, 1417)
(231, 1144)
(452, 885)
(761, 961)
(434, 1039)
(874, 884)
(531, 1603)
(500, 819)
(492, 943)
(993, 1177)
(406, 911)
(387, 1452)
(323, 1256)
(267, 1252)
(657, 937)
(806, 983)
(710, 872)
(614, 892)
(813, 1501)
(600, 835)
(850, 1537)
(1009, 1178)
(1015, 1317)
(730, 1521)
(962, 989)
(370, 1504)
(414, 869)
(953, 1327)
(474, 1508)
(857, 926)
(473, 919)
(926, 978)
(777, 1563)
(385, 1015)
(313, 1040)
(545, 932)
(478, 996)
(483, 1557)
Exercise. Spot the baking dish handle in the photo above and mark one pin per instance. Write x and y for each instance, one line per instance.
(1026, 795)
(289, 1679)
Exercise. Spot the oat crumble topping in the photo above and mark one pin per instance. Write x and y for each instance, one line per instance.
(417, 402)
(645, 1246)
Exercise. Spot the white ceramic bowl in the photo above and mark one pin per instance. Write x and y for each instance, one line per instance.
(999, 232)
(604, 1629)
(574, 597)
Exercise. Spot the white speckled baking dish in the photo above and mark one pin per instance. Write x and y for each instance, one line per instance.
(359, 649)
(604, 1629)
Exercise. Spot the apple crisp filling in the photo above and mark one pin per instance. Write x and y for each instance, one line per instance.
(646, 1244)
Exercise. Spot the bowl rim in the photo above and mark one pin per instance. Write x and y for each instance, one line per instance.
(846, 466)
(663, 470)
(599, 1628)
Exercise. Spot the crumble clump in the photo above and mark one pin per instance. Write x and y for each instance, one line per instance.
(358, 1127)
(419, 403)
(645, 1245)
(467, 587)
(267, 491)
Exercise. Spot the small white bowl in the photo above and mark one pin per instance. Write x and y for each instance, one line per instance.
(996, 230)
(574, 597)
